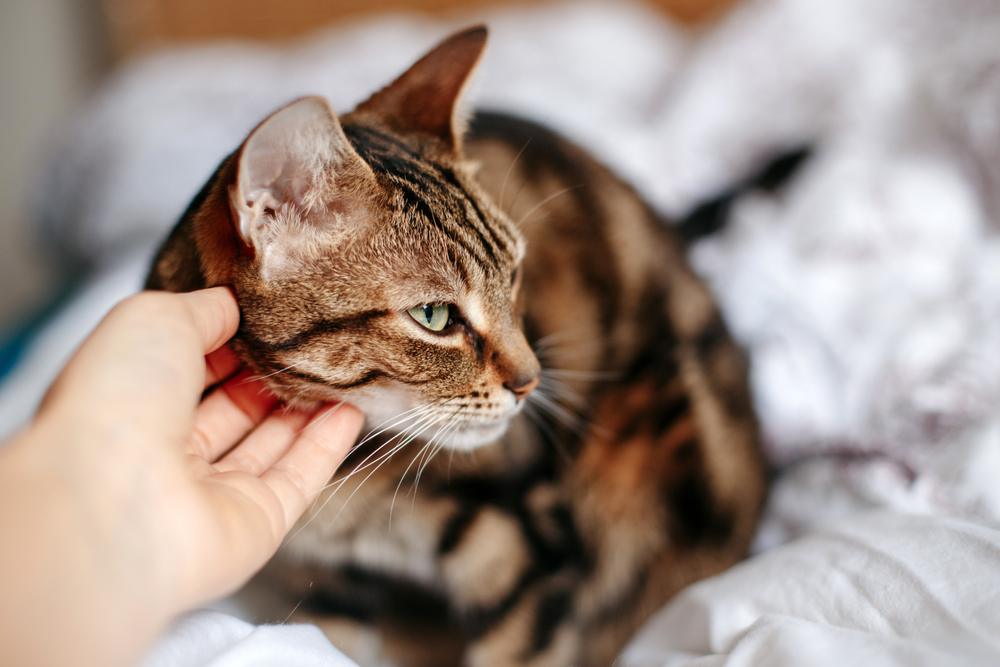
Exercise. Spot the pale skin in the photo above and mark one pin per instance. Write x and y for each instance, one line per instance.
(130, 498)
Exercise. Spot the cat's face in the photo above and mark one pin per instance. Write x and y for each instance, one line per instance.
(373, 269)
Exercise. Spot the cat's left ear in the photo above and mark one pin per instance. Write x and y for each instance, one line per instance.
(425, 98)
(296, 172)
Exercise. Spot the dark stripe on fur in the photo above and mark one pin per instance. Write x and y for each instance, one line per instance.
(414, 201)
(460, 268)
(553, 609)
(454, 530)
(452, 180)
(710, 216)
(698, 518)
(391, 156)
(560, 552)
(365, 595)
(356, 322)
(367, 377)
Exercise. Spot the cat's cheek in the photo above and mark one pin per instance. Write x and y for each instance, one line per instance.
(382, 406)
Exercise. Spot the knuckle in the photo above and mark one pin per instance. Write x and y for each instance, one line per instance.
(294, 477)
(146, 306)
(246, 462)
(200, 443)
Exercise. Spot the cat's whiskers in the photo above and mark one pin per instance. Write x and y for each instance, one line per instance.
(418, 419)
(567, 350)
(539, 419)
(559, 336)
(382, 427)
(545, 201)
(323, 418)
(563, 391)
(386, 458)
(339, 483)
(584, 423)
(578, 374)
(558, 411)
(440, 435)
(442, 432)
(423, 418)
(427, 414)
(402, 478)
(517, 195)
(416, 413)
(452, 422)
(506, 177)
(258, 378)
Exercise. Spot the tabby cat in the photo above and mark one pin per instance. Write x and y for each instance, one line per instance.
(488, 292)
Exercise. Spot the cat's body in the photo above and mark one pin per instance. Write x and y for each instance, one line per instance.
(639, 472)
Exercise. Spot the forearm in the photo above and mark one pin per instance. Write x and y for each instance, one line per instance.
(75, 591)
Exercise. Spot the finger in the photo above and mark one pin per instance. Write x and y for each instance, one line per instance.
(214, 314)
(298, 476)
(266, 444)
(147, 358)
(219, 365)
(228, 414)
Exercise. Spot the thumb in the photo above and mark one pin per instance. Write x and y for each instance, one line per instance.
(145, 360)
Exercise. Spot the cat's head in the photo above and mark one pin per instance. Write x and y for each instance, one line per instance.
(368, 264)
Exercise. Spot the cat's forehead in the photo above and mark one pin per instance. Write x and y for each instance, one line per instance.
(432, 199)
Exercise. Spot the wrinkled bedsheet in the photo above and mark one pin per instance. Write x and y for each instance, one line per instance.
(867, 292)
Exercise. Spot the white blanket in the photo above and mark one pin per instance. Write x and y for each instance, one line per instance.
(214, 639)
(868, 293)
(879, 589)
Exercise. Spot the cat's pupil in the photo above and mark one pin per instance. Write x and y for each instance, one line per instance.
(429, 313)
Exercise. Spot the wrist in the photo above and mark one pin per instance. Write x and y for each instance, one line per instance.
(78, 541)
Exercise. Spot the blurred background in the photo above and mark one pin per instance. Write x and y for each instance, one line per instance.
(866, 292)
(55, 53)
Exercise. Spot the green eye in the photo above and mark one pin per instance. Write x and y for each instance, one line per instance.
(433, 316)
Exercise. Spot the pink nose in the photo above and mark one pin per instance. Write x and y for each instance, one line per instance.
(522, 385)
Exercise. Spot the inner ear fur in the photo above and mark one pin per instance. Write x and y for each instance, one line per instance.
(295, 169)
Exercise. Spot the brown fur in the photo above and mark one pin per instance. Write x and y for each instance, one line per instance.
(639, 472)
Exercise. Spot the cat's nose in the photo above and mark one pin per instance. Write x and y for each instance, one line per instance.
(522, 385)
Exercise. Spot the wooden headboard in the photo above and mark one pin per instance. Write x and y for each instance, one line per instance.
(137, 25)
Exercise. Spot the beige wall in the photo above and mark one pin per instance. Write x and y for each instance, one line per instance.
(137, 25)
(49, 58)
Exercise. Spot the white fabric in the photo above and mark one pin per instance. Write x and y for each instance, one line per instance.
(881, 589)
(868, 294)
(214, 639)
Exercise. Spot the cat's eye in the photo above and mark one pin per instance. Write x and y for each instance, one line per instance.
(433, 316)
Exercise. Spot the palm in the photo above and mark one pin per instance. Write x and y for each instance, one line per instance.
(249, 473)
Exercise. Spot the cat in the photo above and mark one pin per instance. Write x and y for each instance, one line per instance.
(487, 291)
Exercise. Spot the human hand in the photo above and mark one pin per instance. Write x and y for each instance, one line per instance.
(174, 498)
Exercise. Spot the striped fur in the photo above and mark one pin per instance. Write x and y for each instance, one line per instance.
(499, 531)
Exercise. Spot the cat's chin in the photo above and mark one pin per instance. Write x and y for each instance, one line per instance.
(474, 436)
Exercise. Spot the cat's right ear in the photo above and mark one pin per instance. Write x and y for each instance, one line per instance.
(295, 172)
(425, 98)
